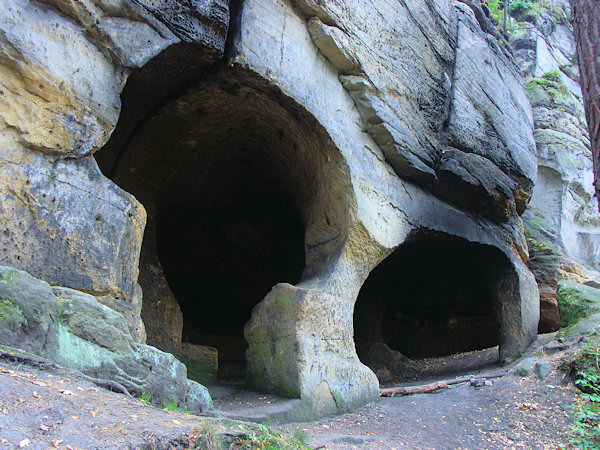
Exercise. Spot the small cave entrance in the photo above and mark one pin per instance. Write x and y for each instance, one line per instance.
(236, 181)
(434, 297)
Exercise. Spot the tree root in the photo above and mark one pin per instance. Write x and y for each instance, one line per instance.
(432, 387)
(36, 361)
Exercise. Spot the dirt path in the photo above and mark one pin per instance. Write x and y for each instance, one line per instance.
(50, 409)
(513, 412)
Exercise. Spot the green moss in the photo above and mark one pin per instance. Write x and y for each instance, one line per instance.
(286, 390)
(551, 83)
(553, 75)
(539, 246)
(339, 401)
(201, 371)
(11, 277)
(576, 302)
(8, 309)
(10, 350)
(285, 300)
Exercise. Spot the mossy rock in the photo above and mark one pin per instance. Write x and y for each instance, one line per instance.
(576, 302)
(200, 371)
(11, 316)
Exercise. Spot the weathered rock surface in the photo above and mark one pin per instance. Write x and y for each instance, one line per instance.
(64, 65)
(442, 118)
(352, 125)
(562, 217)
(576, 301)
(73, 329)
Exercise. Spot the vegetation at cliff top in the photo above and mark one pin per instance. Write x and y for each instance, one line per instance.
(522, 9)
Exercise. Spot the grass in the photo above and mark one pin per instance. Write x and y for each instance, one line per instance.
(584, 363)
(146, 398)
(217, 435)
(263, 437)
(173, 406)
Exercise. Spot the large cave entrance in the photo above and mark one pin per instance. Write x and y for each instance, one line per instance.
(436, 295)
(222, 252)
(237, 180)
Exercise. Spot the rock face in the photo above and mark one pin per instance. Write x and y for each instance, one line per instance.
(328, 137)
(75, 330)
(63, 68)
(562, 217)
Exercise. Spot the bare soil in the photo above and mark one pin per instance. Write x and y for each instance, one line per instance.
(512, 413)
(57, 409)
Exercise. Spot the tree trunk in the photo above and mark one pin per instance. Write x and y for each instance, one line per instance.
(586, 25)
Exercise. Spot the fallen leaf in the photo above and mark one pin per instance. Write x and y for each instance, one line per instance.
(35, 394)
(94, 412)
(93, 389)
(44, 427)
(66, 392)
(24, 443)
(3, 370)
(40, 383)
(79, 388)
(20, 400)
(56, 443)
(176, 422)
(4, 411)
(528, 406)
(75, 417)
(4, 441)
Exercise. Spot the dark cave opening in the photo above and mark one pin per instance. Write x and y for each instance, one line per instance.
(222, 253)
(435, 296)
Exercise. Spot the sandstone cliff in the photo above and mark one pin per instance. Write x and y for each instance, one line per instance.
(562, 218)
(213, 152)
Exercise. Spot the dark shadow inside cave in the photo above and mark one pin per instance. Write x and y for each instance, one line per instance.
(222, 253)
(435, 296)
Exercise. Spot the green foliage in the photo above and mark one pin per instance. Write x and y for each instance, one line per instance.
(172, 405)
(553, 75)
(264, 437)
(518, 8)
(146, 398)
(496, 8)
(585, 431)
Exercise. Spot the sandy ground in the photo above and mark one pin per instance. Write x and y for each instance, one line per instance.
(512, 413)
